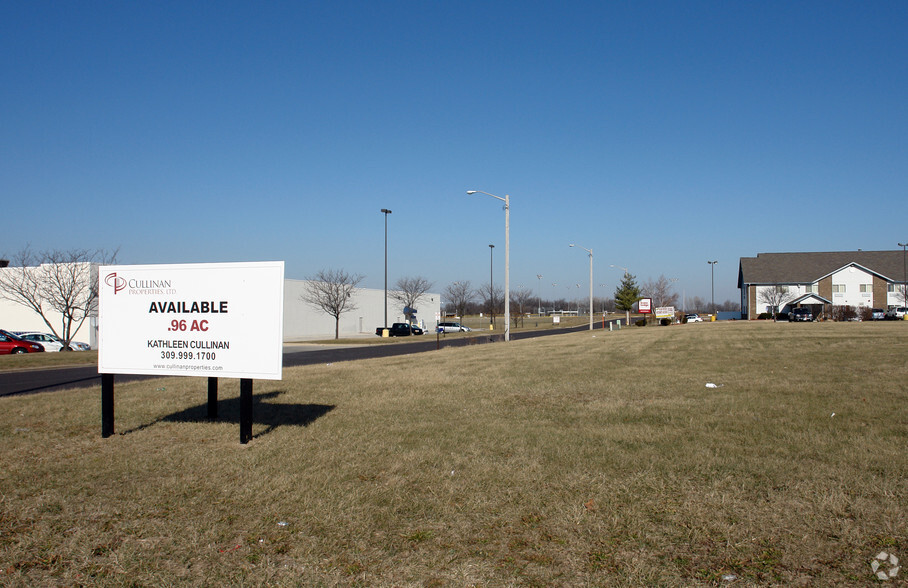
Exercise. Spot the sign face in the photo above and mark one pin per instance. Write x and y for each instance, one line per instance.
(197, 319)
(645, 305)
(665, 312)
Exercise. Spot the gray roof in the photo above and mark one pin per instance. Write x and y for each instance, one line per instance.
(807, 268)
(803, 297)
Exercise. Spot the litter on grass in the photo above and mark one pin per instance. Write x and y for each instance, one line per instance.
(711, 385)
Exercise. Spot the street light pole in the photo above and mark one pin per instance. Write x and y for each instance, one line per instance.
(491, 289)
(539, 295)
(590, 251)
(507, 259)
(712, 276)
(905, 274)
(386, 212)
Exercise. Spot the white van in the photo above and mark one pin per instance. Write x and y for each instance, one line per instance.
(453, 328)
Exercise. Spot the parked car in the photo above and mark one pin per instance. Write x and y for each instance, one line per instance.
(400, 330)
(10, 343)
(877, 314)
(453, 328)
(52, 342)
(896, 313)
(800, 315)
(693, 318)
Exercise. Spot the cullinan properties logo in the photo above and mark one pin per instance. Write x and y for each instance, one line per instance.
(115, 282)
(140, 287)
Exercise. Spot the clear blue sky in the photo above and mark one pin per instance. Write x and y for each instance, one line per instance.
(659, 134)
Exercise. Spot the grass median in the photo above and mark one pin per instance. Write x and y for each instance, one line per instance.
(584, 459)
(28, 361)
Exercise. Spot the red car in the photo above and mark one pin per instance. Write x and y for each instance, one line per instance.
(10, 343)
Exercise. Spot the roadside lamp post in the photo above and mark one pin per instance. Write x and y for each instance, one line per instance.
(539, 295)
(507, 259)
(386, 212)
(590, 251)
(672, 281)
(628, 312)
(712, 279)
(491, 289)
(905, 274)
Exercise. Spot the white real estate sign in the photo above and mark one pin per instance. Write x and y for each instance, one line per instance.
(198, 319)
(665, 312)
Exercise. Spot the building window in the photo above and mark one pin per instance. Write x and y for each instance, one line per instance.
(892, 287)
(838, 288)
(866, 288)
(812, 289)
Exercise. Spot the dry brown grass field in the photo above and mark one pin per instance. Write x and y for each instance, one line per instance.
(47, 360)
(590, 459)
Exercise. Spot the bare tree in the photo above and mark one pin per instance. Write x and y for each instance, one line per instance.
(491, 298)
(660, 291)
(408, 292)
(331, 291)
(775, 296)
(65, 282)
(520, 298)
(730, 306)
(460, 295)
(604, 304)
(902, 292)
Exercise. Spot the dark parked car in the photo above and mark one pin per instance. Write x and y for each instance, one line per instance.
(877, 314)
(10, 343)
(800, 315)
(400, 330)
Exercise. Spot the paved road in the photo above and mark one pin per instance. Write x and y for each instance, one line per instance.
(29, 381)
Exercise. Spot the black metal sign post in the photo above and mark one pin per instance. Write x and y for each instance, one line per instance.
(212, 399)
(245, 410)
(107, 405)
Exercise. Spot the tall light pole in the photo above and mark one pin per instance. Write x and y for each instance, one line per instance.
(905, 275)
(670, 282)
(507, 259)
(386, 212)
(590, 251)
(712, 279)
(539, 295)
(491, 289)
(628, 312)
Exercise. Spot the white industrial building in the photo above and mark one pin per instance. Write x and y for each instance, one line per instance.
(301, 321)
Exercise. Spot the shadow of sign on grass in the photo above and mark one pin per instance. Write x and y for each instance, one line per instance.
(269, 414)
